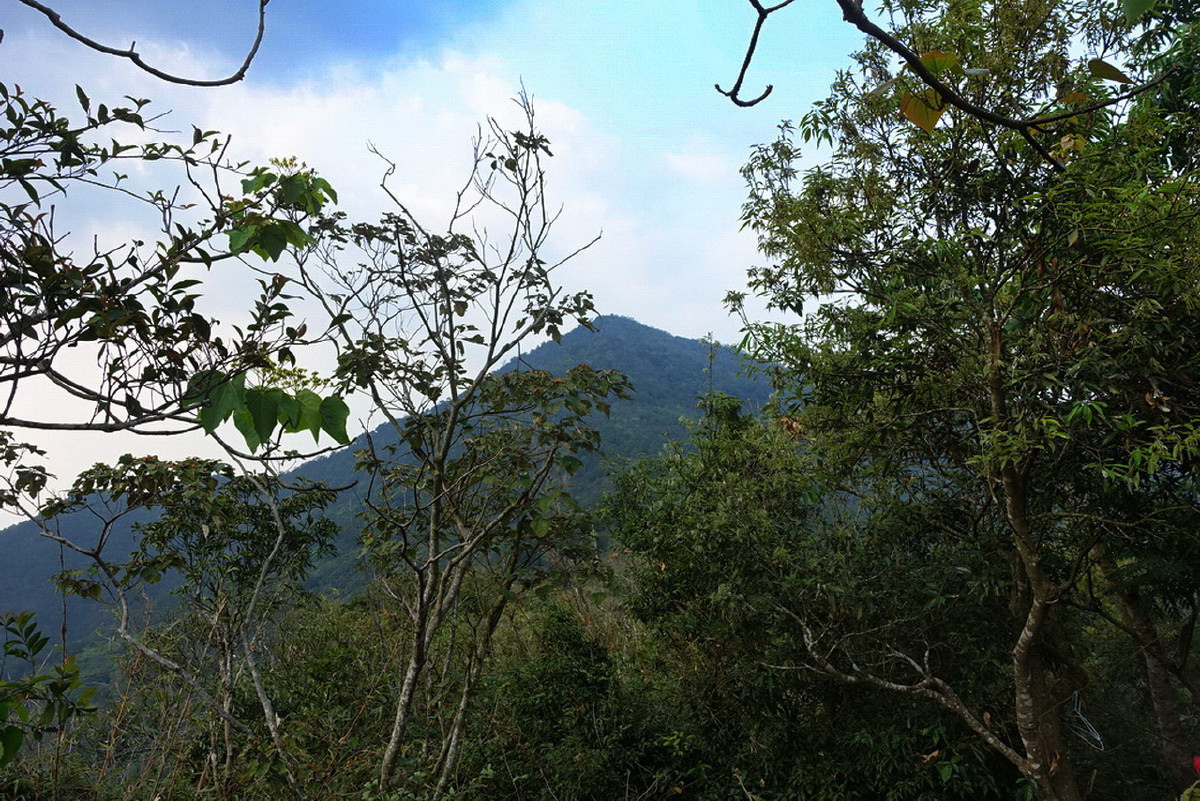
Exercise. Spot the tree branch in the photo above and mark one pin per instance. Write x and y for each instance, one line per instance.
(135, 57)
(732, 94)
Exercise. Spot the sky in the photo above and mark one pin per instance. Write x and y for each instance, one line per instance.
(647, 153)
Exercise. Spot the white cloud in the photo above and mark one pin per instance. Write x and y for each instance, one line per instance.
(700, 162)
(668, 213)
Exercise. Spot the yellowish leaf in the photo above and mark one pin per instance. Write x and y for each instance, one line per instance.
(923, 110)
(938, 60)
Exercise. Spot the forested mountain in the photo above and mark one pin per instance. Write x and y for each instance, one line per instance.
(669, 374)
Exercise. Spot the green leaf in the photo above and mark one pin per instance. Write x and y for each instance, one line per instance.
(289, 411)
(272, 240)
(923, 110)
(309, 418)
(334, 413)
(10, 743)
(293, 233)
(1103, 70)
(222, 401)
(263, 405)
(244, 422)
(259, 179)
(240, 239)
(1134, 9)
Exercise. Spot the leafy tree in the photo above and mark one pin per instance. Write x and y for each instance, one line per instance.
(468, 506)
(134, 305)
(34, 700)
(236, 546)
(735, 550)
(984, 333)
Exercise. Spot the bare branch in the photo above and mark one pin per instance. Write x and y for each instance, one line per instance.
(732, 94)
(135, 57)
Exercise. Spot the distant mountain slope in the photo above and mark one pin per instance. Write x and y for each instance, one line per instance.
(669, 374)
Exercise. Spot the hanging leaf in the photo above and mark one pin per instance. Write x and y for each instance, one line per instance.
(10, 744)
(923, 110)
(310, 413)
(263, 405)
(244, 422)
(1107, 72)
(334, 413)
(1134, 9)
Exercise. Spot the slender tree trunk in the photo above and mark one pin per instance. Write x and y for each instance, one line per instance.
(225, 660)
(1038, 722)
(404, 702)
(1037, 713)
(448, 759)
(1037, 710)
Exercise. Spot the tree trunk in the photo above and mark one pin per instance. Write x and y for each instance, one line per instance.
(408, 689)
(1037, 713)
(1038, 717)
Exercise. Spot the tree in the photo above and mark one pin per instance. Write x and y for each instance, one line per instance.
(981, 333)
(134, 304)
(467, 506)
(236, 546)
(162, 365)
(733, 541)
(33, 702)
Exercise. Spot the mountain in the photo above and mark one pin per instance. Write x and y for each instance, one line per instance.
(669, 375)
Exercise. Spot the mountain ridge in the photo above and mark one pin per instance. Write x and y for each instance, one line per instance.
(669, 374)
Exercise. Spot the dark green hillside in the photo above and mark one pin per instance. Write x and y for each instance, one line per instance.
(669, 375)
(668, 372)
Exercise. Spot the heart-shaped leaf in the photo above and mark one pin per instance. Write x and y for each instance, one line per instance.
(923, 110)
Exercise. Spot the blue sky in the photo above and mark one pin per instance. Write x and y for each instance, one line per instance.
(651, 150)
(646, 152)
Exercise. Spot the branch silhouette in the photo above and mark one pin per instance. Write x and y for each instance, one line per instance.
(132, 54)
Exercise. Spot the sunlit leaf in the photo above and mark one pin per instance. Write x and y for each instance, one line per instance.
(1101, 69)
(923, 110)
(938, 60)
